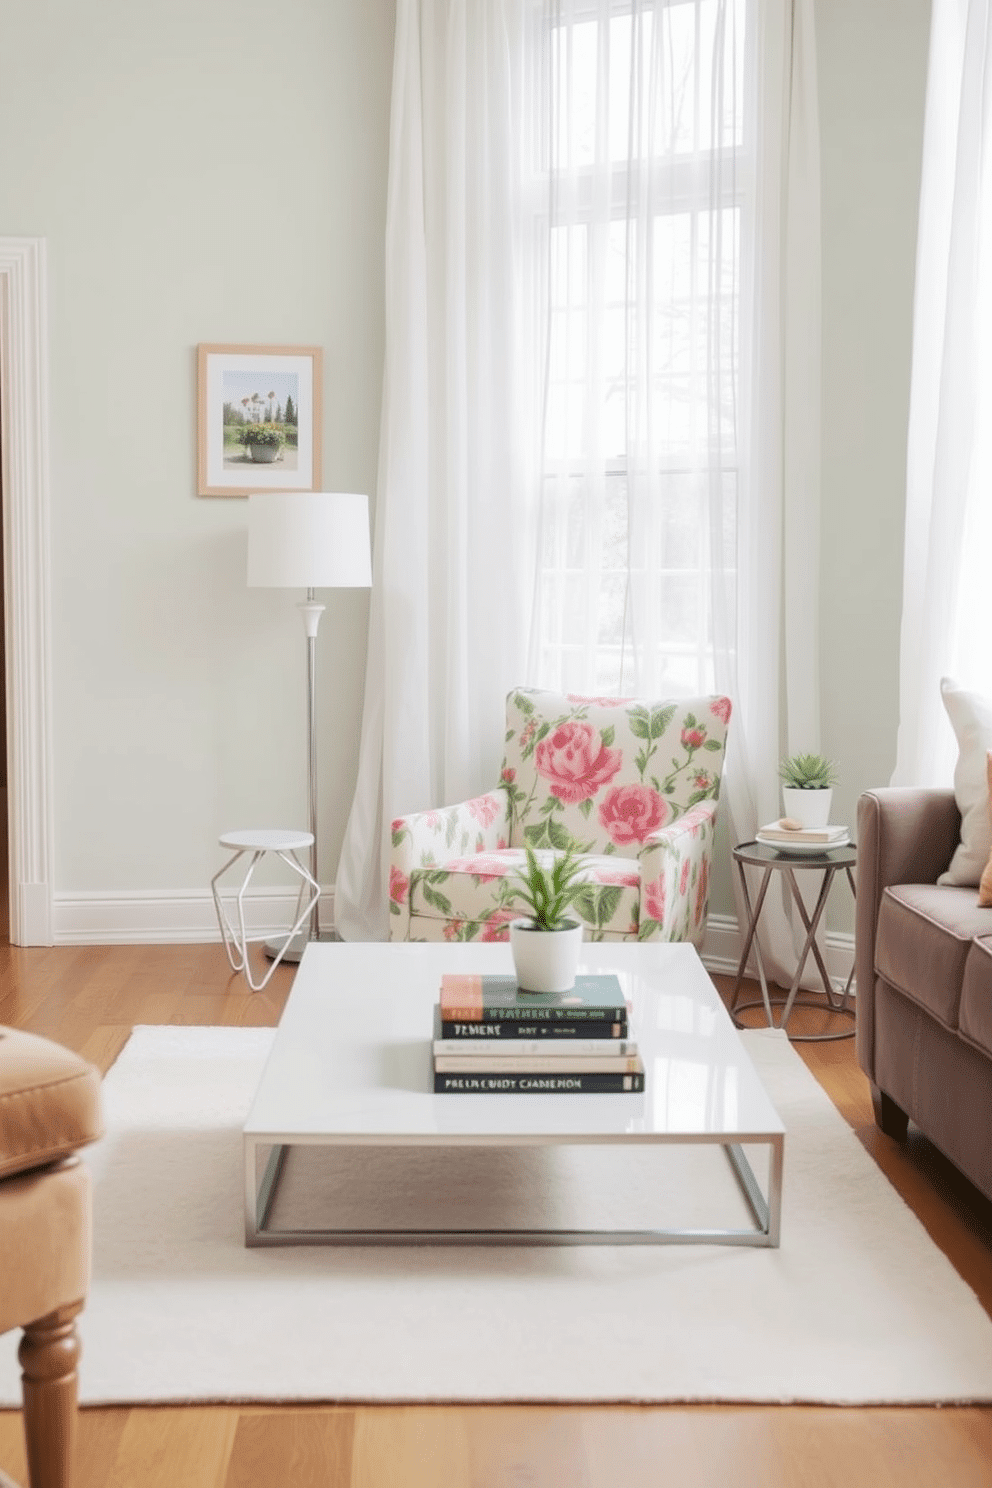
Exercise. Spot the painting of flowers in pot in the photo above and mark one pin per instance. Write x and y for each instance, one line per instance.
(259, 419)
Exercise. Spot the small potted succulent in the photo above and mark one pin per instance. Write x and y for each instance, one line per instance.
(807, 788)
(546, 944)
(262, 441)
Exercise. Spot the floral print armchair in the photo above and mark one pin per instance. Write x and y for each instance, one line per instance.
(632, 785)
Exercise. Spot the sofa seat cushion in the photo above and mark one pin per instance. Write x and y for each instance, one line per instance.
(976, 996)
(924, 937)
(49, 1102)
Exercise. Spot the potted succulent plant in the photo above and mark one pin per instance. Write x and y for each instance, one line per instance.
(807, 788)
(546, 943)
(262, 441)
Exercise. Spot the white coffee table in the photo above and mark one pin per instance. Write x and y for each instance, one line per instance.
(351, 1065)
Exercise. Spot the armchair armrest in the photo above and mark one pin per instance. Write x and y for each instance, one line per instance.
(906, 834)
(429, 839)
(50, 1102)
(675, 877)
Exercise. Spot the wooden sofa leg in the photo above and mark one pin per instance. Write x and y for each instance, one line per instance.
(49, 1353)
(889, 1118)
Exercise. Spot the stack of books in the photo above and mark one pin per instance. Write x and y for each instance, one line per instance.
(491, 1038)
(775, 835)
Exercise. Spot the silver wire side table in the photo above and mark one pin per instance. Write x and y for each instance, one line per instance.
(771, 860)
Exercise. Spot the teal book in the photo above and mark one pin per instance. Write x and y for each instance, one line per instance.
(595, 998)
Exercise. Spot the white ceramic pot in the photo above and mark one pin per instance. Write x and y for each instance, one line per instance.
(811, 808)
(545, 960)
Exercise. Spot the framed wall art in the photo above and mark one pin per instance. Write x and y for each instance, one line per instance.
(258, 419)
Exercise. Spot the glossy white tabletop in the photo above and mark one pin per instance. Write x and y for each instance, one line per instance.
(351, 1060)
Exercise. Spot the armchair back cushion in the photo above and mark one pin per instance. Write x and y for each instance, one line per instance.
(603, 774)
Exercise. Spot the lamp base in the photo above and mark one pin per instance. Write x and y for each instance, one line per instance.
(297, 945)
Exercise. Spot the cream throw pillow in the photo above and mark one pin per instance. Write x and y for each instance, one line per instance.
(985, 882)
(971, 719)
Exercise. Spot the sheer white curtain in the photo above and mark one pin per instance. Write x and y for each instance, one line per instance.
(647, 195)
(452, 519)
(770, 664)
(680, 501)
(601, 395)
(949, 454)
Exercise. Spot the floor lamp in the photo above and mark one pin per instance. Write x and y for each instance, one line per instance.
(309, 540)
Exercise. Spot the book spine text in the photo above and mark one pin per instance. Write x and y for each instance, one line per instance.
(497, 1083)
(500, 1028)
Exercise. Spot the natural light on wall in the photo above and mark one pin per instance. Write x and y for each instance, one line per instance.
(948, 523)
(645, 187)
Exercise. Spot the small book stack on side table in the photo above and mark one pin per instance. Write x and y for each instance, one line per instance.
(802, 839)
(490, 1038)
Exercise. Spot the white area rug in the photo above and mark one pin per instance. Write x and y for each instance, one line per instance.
(857, 1306)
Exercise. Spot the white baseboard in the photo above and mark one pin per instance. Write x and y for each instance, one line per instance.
(174, 917)
(722, 951)
(169, 917)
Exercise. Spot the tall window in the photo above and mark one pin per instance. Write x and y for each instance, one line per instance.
(646, 183)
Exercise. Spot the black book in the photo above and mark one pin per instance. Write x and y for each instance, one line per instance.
(517, 1040)
(501, 1083)
(505, 1031)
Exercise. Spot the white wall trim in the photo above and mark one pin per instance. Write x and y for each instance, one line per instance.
(722, 951)
(176, 917)
(170, 917)
(27, 585)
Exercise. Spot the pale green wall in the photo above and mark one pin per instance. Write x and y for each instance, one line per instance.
(201, 172)
(872, 79)
(217, 172)
(871, 57)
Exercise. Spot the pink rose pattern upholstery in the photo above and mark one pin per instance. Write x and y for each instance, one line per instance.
(631, 785)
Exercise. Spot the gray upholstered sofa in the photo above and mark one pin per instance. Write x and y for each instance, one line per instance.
(924, 979)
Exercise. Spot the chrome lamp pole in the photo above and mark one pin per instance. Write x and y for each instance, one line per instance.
(309, 540)
(311, 613)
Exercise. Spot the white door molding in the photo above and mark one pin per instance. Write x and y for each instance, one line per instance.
(27, 585)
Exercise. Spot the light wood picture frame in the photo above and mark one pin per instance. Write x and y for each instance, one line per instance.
(274, 392)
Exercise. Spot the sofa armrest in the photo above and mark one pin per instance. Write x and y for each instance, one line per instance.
(429, 839)
(906, 834)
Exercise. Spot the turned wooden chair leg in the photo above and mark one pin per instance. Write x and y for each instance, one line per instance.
(49, 1353)
(889, 1118)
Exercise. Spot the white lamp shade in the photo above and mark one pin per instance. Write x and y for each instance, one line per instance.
(308, 540)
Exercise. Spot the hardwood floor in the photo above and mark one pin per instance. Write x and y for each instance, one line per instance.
(89, 998)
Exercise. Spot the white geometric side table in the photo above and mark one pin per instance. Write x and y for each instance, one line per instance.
(254, 845)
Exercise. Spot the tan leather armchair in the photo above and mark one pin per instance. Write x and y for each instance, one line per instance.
(49, 1108)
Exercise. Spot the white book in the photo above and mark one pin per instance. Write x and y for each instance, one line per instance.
(774, 833)
(500, 1063)
(483, 1050)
